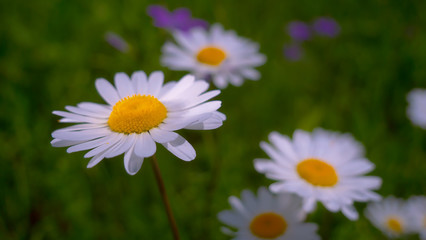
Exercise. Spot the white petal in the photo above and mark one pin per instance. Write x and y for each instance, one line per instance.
(88, 145)
(128, 142)
(107, 91)
(250, 73)
(86, 112)
(155, 82)
(132, 162)
(220, 81)
(72, 117)
(63, 143)
(123, 85)
(181, 149)
(162, 136)
(350, 212)
(145, 145)
(139, 82)
(110, 142)
(95, 107)
(83, 135)
(183, 84)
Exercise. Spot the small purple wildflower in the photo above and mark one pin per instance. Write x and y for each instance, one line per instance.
(117, 42)
(180, 19)
(299, 31)
(326, 26)
(293, 52)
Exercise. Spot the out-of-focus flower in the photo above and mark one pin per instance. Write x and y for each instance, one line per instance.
(417, 207)
(221, 54)
(293, 52)
(322, 166)
(140, 112)
(117, 42)
(391, 216)
(299, 31)
(416, 110)
(266, 216)
(180, 19)
(325, 26)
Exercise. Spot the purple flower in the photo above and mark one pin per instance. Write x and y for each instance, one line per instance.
(293, 52)
(299, 31)
(180, 19)
(326, 26)
(116, 41)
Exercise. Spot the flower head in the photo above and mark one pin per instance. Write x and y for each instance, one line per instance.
(416, 110)
(325, 26)
(267, 216)
(391, 216)
(140, 111)
(299, 31)
(180, 19)
(417, 209)
(215, 53)
(117, 42)
(293, 52)
(322, 166)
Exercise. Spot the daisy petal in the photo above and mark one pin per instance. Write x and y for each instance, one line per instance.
(145, 145)
(123, 84)
(107, 91)
(155, 82)
(162, 136)
(132, 162)
(181, 149)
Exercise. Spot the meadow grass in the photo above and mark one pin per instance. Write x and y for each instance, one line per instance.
(51, 51)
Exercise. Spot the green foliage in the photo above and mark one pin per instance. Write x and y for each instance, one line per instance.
(51, 51)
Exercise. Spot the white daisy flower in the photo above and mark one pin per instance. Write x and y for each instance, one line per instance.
(416, 110)
(266, 216)
(216, 53)
(323, 166)
(417, 207)
(139, 113)
(391, 216)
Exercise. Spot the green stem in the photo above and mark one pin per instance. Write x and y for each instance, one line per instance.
(162, 189)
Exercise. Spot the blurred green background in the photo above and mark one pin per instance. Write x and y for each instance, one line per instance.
(51, 51)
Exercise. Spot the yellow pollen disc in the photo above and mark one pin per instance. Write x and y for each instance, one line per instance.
(136, 114)
(268, 225)
(394, 224)
(211, 55)
(317, 172)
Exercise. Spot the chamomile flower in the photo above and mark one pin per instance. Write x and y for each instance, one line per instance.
(417, 208)
(322, 166)
(140, 111)
(416, 110)
(218, 54)
(266, 216)
(391, 216)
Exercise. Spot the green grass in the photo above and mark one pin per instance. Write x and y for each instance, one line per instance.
(51, 52)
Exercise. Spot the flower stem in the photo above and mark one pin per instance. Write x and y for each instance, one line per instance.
(162, 189)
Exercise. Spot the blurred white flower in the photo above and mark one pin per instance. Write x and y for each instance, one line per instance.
(140, 112)
(322, 166)
(391, 216)
(217, 54)
(267, 216)
(417, 208)
(416, 110)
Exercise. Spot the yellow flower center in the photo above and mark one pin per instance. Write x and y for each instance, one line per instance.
(317, 172)
(211, 55)
(136, 114)
(268, 225)
(394, 224)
